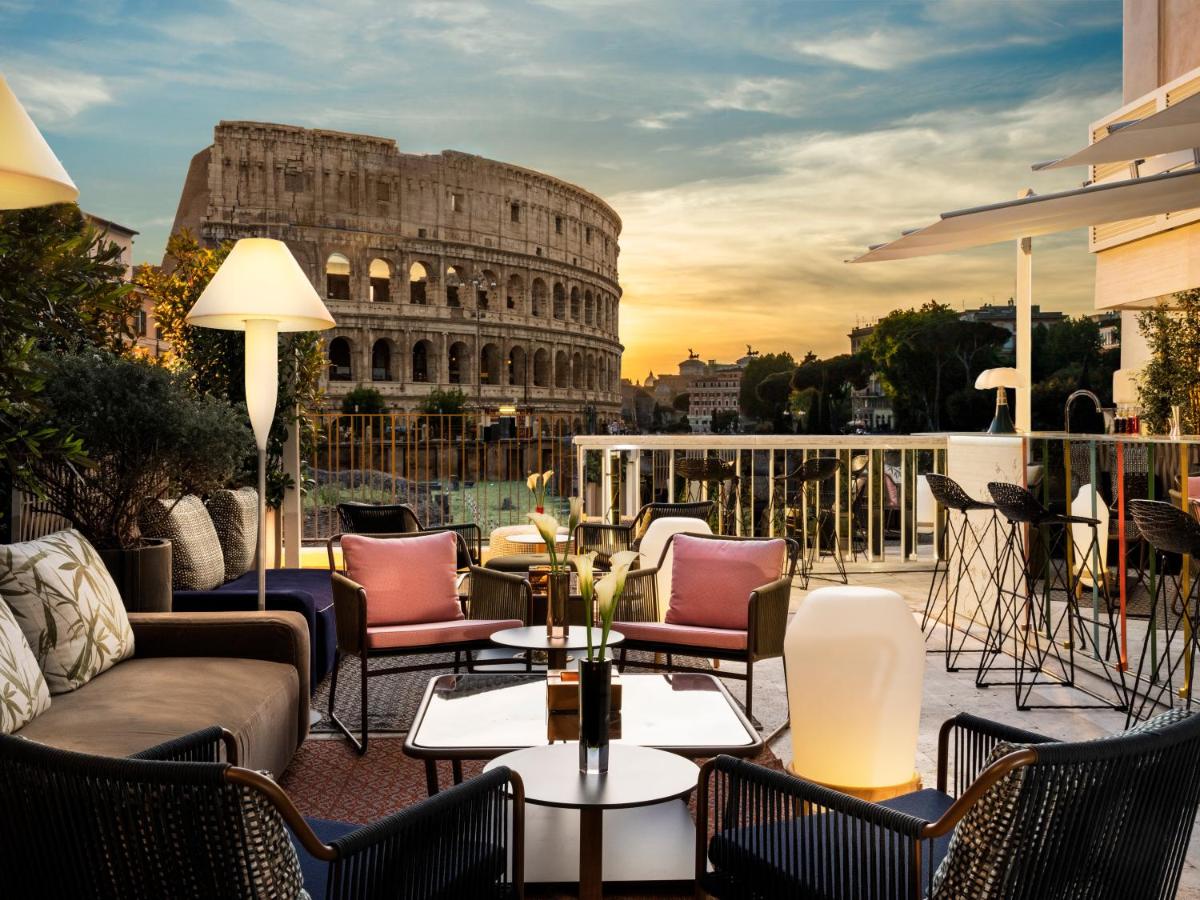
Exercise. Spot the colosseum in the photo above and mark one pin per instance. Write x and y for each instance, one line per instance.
(445, 270)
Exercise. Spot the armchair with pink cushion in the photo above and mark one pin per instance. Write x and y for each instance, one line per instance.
(729, 601)
(397, 596)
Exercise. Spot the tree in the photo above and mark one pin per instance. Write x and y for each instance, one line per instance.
(450, 402)
(214, 360)
(682, 401)
(765, 406)
(821, 391)
(724, 421)
(61, 289)
(364, 400)
(927, 360)
(1171, 376)
(1066, 356)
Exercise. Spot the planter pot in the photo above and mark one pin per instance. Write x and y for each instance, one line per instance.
(595, 703)
(143, 575)
(558, 593)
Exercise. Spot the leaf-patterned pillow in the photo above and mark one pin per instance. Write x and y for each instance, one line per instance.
(68, 607)
(23, 691)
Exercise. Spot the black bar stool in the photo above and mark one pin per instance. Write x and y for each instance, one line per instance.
(1170, 531)
(1018, 616)
(819, 538)
(965, 543)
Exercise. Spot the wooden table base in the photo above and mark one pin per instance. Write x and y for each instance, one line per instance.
(591, 853)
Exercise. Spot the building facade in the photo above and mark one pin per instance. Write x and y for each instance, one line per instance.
(443, 271)
(145, 328)
(715, 391)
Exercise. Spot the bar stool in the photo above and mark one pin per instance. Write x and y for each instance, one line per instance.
(1031, 626)
(965, 543)
(819, 537)
(1169, 530)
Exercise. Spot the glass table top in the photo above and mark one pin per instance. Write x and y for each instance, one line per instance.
(482, 714)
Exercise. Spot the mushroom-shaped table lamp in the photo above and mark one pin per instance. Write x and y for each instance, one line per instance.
(260, 289)
(1001, 380)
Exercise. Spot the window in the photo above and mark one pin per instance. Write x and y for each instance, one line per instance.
(558, 224)
(457, 203)
(139, 323)
(383, 191)
(453, 280)
(337, 277)
(339, 360)
(417, 279)
(514, 210)
(587, 235)
(293, 182)
(381, 281)
(420, 232)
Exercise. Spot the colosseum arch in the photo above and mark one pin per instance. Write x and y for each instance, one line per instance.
(516, 365)
(577, 371)
(589, 309)
(424, 362)
(562, 370)
(337, 277)
(459, 363)
(485, 289)
(560, 301)
(589, 371)
(418, 282)
(454, 282)
(341, 354)
(541, 367)
(537, 297)
(489, 365)
(381, 361)
(515, 293)
(381, 280)
(575, 304)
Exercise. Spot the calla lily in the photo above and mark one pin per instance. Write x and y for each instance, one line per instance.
(531, 481)
(585, 565)
(547, 527)
(622, 562)
(576, 514)
(607, 596)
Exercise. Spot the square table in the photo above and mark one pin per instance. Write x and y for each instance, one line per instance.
(484, 715)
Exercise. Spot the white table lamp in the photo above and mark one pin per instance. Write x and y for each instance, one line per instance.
(855, 664)
(1000, 379)
(30, 173)
(260, 289)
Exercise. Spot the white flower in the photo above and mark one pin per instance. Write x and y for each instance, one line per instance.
(531, 482)
(622, 562)
(585, 564)
(576, 514)
(607, 596)
(547, 527)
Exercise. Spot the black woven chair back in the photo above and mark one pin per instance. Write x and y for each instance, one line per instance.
(1017, 504)
(373, 518)
(950, 494)
(1167, 527)
(75, 825)
(820, 468)
(1098, 819)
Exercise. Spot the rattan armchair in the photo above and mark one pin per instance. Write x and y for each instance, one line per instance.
(400, 518)
(495, 600)
(1014, 816)
(181, 821)
(607, 539)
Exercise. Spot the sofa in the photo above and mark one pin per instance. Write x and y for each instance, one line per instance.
(245, 671)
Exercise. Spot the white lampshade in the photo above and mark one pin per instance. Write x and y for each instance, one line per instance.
(30, 173)
(998, 378)
(260, 279)
(855, 663)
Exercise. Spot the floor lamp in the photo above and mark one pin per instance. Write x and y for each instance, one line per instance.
(260, 289)
(30, 173)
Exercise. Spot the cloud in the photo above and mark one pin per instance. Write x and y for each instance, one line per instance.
(659, 121)
(877, 50)
(770, 95)
(54, 96)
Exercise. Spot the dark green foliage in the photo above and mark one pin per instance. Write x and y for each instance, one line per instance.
(147, 434)
(821, 391)
(766, 406)
(448, 402)
(724, 421)
(1172, 376)
(365, 401)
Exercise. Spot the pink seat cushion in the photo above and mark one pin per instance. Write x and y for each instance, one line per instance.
(409, 581)
(711, 580)
(666, 634)
(386, 637)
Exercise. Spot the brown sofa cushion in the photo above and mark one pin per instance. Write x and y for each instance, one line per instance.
(142, 702)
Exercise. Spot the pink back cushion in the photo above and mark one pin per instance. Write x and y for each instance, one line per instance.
(711, 580)
(409, 581)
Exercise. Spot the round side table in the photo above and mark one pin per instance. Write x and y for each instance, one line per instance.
(534, 637)
(637, 776)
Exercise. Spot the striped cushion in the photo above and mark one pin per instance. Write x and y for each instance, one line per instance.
(196, 560)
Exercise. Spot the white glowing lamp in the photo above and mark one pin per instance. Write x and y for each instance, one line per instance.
(30, 173)
(1000, 379)
(855, 663)
(260, 289)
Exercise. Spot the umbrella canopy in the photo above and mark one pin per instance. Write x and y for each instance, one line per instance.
(1175, 128)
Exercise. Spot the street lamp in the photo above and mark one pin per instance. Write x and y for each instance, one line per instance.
(260, 289)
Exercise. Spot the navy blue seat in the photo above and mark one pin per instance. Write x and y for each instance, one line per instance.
(306, 591)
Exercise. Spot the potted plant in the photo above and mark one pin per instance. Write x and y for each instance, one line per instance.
(146, 435)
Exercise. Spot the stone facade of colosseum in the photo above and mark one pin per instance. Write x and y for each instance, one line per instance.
(444, 270)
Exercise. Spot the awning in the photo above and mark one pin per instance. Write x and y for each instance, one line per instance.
(1175, 128)
(1095, 204)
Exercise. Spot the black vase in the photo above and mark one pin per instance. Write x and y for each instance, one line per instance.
(595, 701)
(558, 590)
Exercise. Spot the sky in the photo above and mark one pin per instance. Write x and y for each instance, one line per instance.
(749, 146)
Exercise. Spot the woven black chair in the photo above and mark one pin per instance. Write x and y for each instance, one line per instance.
(400, 518)
(605, 540)
(1014, 816)
(965, 546)
(181, 822)
(1019, 618)
(813, 524)
(1170, 532)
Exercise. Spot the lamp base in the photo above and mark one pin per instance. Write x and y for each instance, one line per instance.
(1002, 422)
(870, 794)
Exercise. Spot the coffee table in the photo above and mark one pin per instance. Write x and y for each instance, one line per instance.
(534, 637)
(637, 776)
